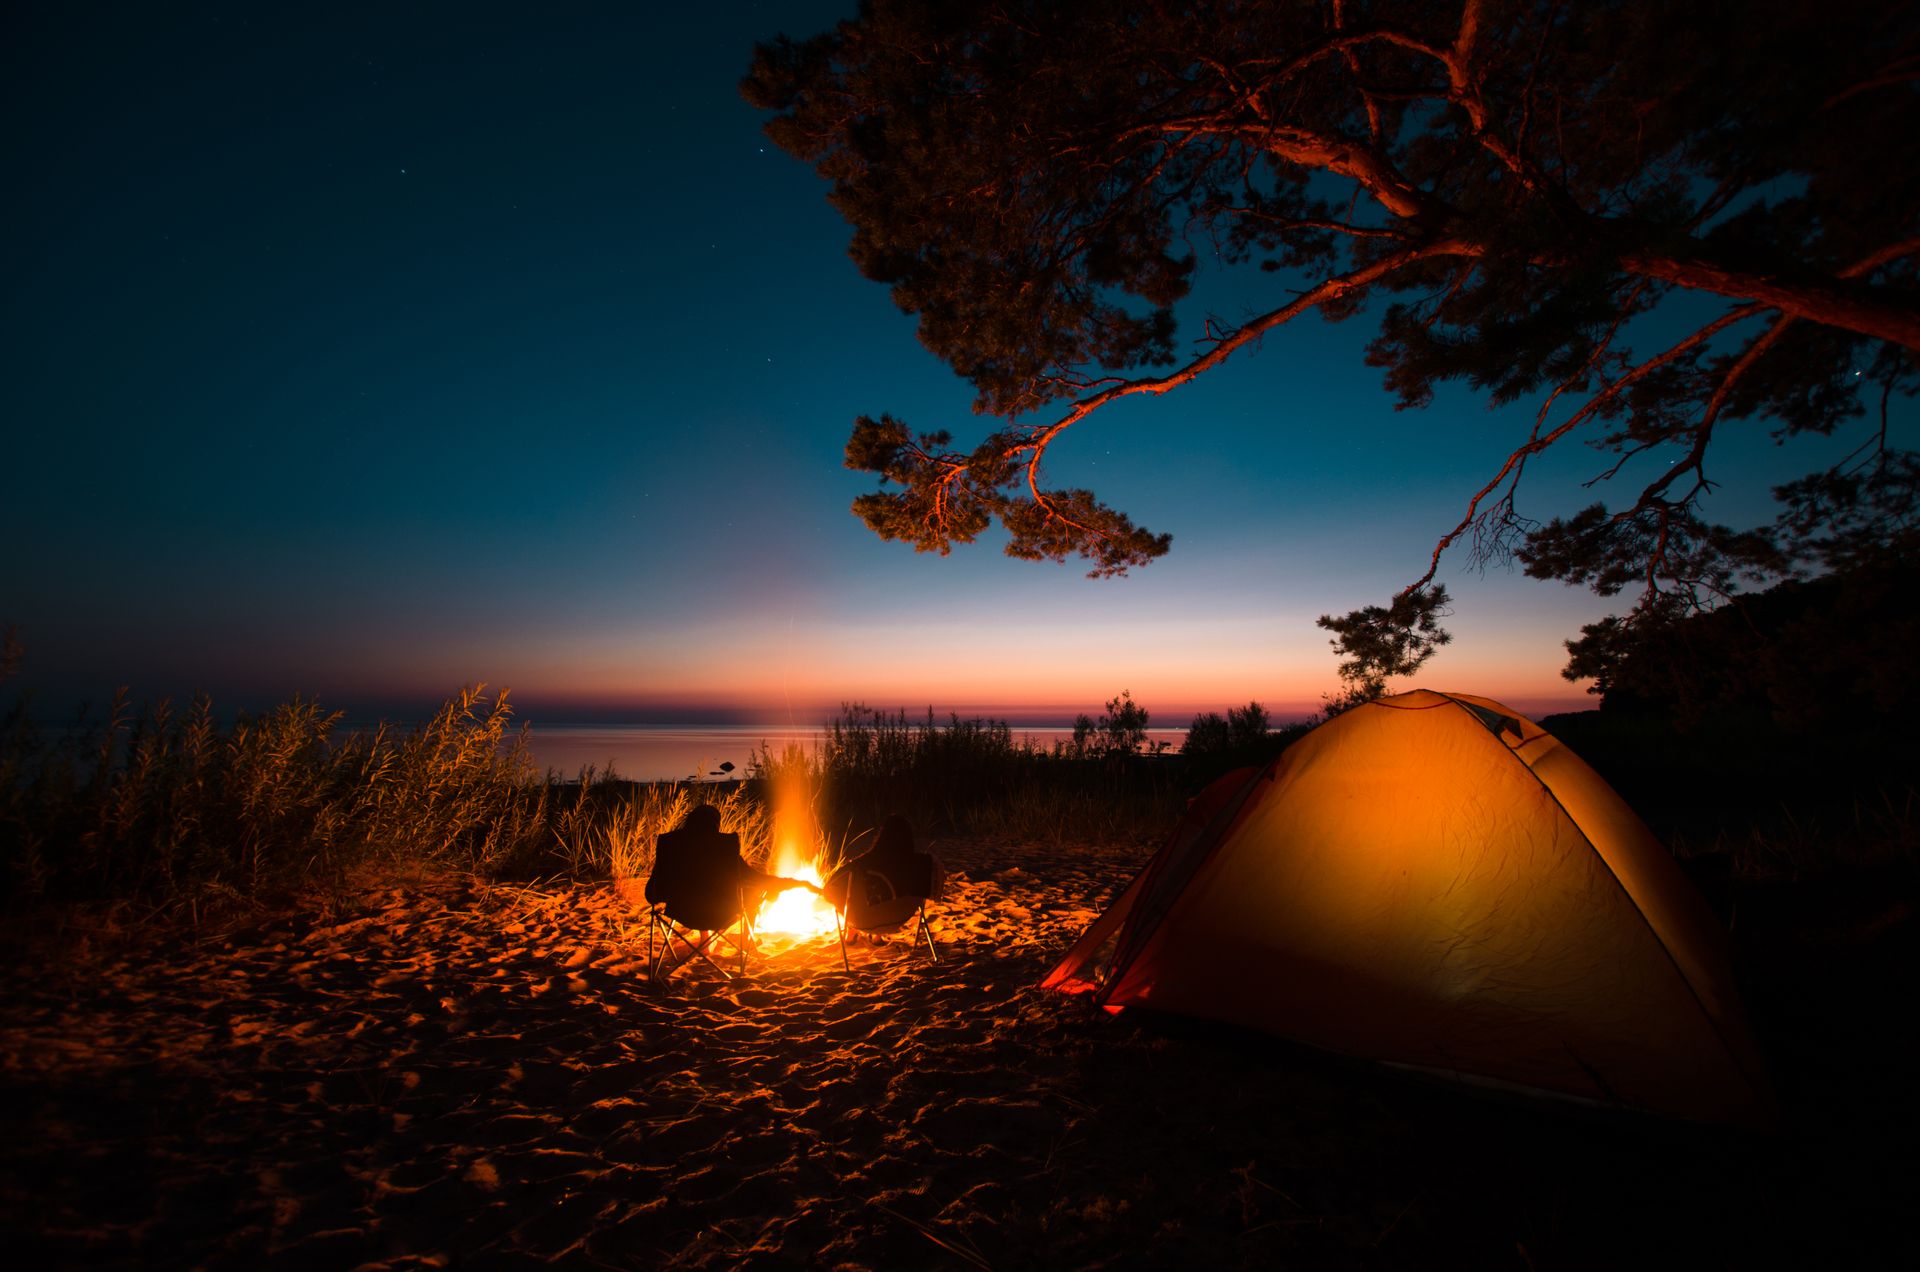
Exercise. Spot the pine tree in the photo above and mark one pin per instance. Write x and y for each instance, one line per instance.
(1651, 221)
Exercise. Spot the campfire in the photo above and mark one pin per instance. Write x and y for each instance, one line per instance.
(798, 913)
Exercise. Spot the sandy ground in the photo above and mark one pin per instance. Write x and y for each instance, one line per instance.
(451, 1073)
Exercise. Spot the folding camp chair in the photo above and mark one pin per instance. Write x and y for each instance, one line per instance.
(698, 935)
(696, 897)
(883, 897)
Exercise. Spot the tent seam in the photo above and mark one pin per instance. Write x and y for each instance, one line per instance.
(1632, 901)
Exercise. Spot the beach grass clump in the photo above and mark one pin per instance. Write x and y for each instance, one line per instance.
(608, 827)
(171, 810)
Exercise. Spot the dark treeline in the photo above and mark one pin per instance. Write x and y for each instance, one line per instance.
(1772, 732)
(1834, 653)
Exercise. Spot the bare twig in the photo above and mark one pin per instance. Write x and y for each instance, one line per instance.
(962, 1253)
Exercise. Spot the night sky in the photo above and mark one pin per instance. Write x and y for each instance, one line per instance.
(367, 352)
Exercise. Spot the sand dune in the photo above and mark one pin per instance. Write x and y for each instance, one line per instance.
(455, 1074)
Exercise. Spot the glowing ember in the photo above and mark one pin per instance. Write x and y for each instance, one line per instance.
(797, 912)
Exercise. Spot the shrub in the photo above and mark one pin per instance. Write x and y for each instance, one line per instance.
(1246, 726)
(1242, 728)
(1207, 734)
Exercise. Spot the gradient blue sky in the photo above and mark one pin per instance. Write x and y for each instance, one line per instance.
(369, 351)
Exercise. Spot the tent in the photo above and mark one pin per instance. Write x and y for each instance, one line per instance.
(1433, 881)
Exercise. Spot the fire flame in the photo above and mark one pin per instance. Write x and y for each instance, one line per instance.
(800, 913)
(797, 912)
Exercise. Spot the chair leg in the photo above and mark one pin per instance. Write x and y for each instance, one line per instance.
(738, 933)
(694, 948)
(840, 927)
(655, 919)
(705, 950)
(923, 932)
(657, 961)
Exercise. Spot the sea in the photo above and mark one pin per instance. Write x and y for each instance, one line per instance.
(673, 753)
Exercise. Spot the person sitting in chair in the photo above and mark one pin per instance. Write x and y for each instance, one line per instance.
(699, 874)
(892, 868)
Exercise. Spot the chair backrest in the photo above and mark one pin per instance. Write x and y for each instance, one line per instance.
(696, 877)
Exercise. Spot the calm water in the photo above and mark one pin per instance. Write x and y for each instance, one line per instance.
(661, 753)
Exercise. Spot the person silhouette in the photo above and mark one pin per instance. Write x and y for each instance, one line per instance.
(892, 867)
(701, 877)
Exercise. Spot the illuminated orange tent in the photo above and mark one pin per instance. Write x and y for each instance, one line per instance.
(1433, 881)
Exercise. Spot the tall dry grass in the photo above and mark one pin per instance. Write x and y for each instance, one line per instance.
(173, 811)
(171, 814)
(608, 828)
(971, 777)
(176, 814)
